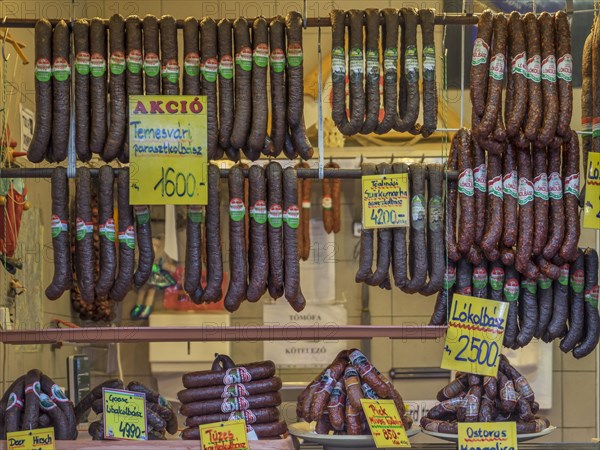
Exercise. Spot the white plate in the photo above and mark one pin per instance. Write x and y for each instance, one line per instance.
(520, 437)
(302, 430)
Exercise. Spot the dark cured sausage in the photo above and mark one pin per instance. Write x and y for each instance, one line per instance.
(560, 313)
(193, 252)
(259, 251)
(384, 241)
(231, 390)
(549, 90)
(568, 250)
(430, 99)
(592, 321)
(510, 196)
(32, 400)
(587, 100)
(493, 229)
(518, 75)
(304, 189)
(106, 229)
(118, 94)
(533, 119)
(278, 87)
(496, 279)
(169, 55)
(252, 416)
(143, 234)
(418, 223)
(214, 264)
(191, 57)
(365, 261)
(390, 70)
(556, 231)
(230, 404)
(84, 228)
(545, 301)
(466, 225)
(226, 93)
(338, 71)
(479, 188)
(526, 213)
(243, 82)
(576, 304)
(495, 80)
(43, 92)
(399, 254)
(274, 230)
(540, 201)
(98, 85)
(61, 241)
(61, 90)
(151, 60)
(444, 297)
(372, 71)
(464, 277)
(295, 86)
(238, 266)
(237, 374)
(511, 295)
(451, 208)
(480, 62)
(291, 218)
(528, 312)
(564, 72)
(81, 35)
(134, 76)
(124, 278)
(260, 103)
(209, 68)
(409, 111)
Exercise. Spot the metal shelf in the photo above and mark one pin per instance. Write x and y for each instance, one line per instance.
(218, 333)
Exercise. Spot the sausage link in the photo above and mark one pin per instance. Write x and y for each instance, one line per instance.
(134, 76)
(243, 82)
(526, 213)
(226, 92)
(261, 415)
(274, 231)
(549, 90)
(493, 229)
(372, 103)
(143, 234)
(390, 70)
(479, 188)
(510, 196)
(466, 224)
(290, 235)
(238, 267)
(191, 77)
(464, 277)
(43, 92)
(210, 65)
(214, 260)
(338, 71)
(533, 120)
(278, 87)
(480, 279)
(61, 241)
(587, 100)
(260, 45)
(556, 231)
(81, 43)
(517, 74)
(66, 406)
(560, 313)
(31, 409)
(451, 207)
(417, 247)
(545, 303)
(399, 255)
(85, 254)
(169, 55)
(444, 297)
(98, 85)
(151, 50)
(124, 278)
(259, 251)
(592, 321)
(117, 90)
(61, 90)
(409, 111)
(365, 261)
(568, 250)
(511, 295)
(541, 199)
(231, 390)
(564, 70)
(496, 270)
(430, 98)
(304, 230)
(193, 253)
(327, 203)
(106, 228)
(528, 312)
(576, 304)
(230, 404)
(480, 62)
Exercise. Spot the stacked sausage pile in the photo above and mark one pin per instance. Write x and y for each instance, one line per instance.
(400, 94)
(237, 120)
(231, 392)
(35, 401)
(473, 398)
(332, 399)
(160, 417)
(546, 309)
(268, 259)
(426, 244)
(107, 282)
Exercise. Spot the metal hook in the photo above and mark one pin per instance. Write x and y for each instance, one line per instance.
(304, 25)
(392, 159)
(423, 158)
(4, 57)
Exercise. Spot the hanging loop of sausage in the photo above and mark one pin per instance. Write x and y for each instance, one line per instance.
(61, 90)
(466, 226)
(275, 232)
(390, 70)
(81, 36)
(495, 201)
(338, 72)
(568, 250)
(98, 85)
(592, 320)
(541, 199)
(278, 88)
(451, 203)
(193, 251)
(43, 92)
(533, 119)
(134, 77)
(243, 82)
(430, 97)
(260, 101)
(587, 102)
(191, 57)
(106, 227)
(291, 214)
(85, 258)
(117, 89)
(399, 253)
(518, 74)
(151, 50)
(365, 262)
(169, 55)
(226, 93)
(526, 212)
(371, 71)
(210, 66)
(214, 259)
(259, 250)
(409, 77)
(480, 62)
(143, 234)
(549, 90)
(564, 73)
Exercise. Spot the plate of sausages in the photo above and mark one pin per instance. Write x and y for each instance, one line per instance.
(521, 437)
(306, 431)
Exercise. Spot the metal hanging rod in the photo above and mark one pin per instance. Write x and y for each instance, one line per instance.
(313, 22)
(302, 173)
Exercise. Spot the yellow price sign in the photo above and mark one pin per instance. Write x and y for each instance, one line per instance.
(496, 435)
(385, 202)
(124, 415)
(167, 150)
(474, 337)
(591, 209)
(385, 423)
(40, 439)
(229, 435)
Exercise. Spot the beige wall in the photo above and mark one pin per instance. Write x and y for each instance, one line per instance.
(574, 390)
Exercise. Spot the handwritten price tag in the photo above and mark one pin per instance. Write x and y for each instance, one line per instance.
(385, 201)
(124, 415)
(385, 423)
(230, 435)
(591, 210)
(167, 150)
(40, 439)
(496, 435)
(475, 334)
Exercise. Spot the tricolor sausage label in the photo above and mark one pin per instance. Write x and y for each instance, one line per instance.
(170, 71)
(237, 375)
(117, 63)
(295, 55)
(275, 216)
(540, 186)
(291, 216)
(235, 390)
(58, 226)
(564, 68)
(277, 60)
(534, 68)
(495, 187)
(525, 191)
(549, 69)
(61, 69)
(530, 285)
(244, 59)
(591, 296)
(258, 212)
(497, 67)
(210, 69)
(234, 404)
(108, 230)
(97, 65)
(226, 67)
(563, 277)
(480, 277)
(82, 228)
(480, 52)
(82, 63)
(509, 184)
(449, 277)
(572, 184)
(135, 61)
(518, 65)
(544, 282)
(151, 64)
(246, 415)
(555, 190)
(511, 290)
(261, 55)
(497, 278)
(480, 177)
(43, 70)
(237, 211)
(465, 182)
(191, 64)
(577, 281)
